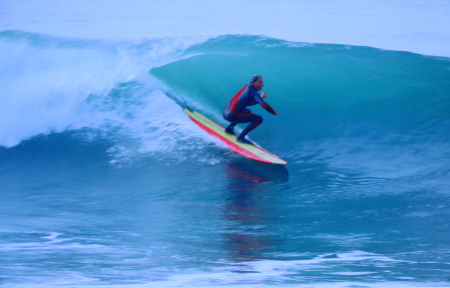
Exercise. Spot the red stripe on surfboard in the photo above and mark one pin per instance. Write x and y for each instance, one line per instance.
(234, 147)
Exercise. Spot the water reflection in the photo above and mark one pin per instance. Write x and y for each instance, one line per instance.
(246, 235)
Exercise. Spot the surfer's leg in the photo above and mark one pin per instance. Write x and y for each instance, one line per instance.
(245, 116)
(256, 120)
(229, 117)
(230, 128)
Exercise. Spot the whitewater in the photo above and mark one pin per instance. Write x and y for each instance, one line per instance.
(104, 181)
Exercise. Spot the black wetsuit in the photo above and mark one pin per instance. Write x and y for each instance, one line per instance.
(236, 111)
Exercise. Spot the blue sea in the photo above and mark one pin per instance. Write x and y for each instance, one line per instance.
(105, 181)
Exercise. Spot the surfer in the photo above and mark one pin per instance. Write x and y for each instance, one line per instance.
(236, 111)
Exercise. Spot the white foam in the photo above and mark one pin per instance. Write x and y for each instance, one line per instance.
(43, 85)
(262, 273)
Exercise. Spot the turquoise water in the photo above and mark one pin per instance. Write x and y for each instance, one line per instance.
(105, 181)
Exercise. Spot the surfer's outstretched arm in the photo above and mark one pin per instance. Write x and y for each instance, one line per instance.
(265, 105)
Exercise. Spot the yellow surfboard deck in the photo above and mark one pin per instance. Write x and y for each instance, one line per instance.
(246, 150)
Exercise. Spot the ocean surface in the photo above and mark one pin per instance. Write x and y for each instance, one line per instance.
(105, 182)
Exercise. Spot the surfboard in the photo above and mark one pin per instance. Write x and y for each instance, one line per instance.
(250, 151)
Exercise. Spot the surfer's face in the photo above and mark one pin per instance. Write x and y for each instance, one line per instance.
(258, 84)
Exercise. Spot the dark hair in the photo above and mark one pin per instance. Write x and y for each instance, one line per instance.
(254, 78)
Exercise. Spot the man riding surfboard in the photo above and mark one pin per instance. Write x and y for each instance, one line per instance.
(236, 110)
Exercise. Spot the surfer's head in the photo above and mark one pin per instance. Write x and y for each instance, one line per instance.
(257, 82)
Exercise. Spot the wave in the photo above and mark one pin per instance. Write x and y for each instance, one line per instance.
(90, 132)
(334, 100)
(342, 105)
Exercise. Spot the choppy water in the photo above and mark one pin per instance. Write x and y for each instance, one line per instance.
(105, 181)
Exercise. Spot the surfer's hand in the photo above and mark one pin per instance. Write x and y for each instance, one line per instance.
(263, 95)
(276, 112)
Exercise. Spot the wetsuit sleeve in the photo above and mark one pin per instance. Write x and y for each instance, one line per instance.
(257, 98)
(268, 107)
